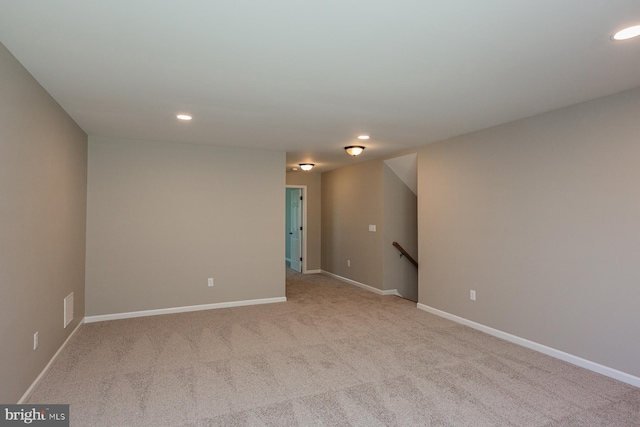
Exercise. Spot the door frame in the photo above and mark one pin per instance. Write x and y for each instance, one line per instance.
(303, 249)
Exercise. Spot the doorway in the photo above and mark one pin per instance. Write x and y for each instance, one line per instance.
(295, 237)
(400, 224)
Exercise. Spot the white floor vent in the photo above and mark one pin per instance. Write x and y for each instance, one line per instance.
(68, 309)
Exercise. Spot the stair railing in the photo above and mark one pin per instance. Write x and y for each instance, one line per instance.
(405, 253)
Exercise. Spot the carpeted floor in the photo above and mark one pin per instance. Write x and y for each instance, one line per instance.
(333, 355)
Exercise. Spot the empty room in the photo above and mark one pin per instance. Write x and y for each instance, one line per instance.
(320, 214)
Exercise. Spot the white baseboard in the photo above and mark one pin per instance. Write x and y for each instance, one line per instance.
(558, 354)
(362, 285)
(312, 271)
(46, 368)
(173, 310)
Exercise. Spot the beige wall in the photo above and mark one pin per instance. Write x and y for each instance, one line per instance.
(542, 218)
(400, 224)
(354, 197)
(43, 166)
(351, 200)
(313, 182)
(162, 218)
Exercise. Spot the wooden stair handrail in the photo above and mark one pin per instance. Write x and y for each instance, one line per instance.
(405, 253)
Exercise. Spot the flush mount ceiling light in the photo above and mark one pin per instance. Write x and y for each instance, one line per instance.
(306, 166)
(184, 117)
(627, 33)
(354, 150)
(363, 137)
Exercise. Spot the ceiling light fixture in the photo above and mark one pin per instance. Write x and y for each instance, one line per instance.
(354, 150)
(627, 33)
(185, 117)
(306, 166)
(363, 137)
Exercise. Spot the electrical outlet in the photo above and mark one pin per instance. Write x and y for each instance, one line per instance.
(35, 340)
(372, 227)
(210, 282)
(348, 263)
(472, 295)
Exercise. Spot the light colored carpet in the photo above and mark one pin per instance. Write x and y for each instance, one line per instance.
(333, 355)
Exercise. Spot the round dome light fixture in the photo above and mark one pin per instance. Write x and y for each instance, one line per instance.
(306, 166)
(354, 150)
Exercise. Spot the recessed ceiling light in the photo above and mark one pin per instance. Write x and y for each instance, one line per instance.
(184, 117)
(627, 33)
(363, 137)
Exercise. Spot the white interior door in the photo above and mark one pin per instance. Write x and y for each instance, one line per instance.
(295, 233)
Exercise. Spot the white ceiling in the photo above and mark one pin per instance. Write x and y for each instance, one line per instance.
(307, 77)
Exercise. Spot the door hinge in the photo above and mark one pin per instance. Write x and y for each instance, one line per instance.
(300, 197)
(300, 228)
(300, 258)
